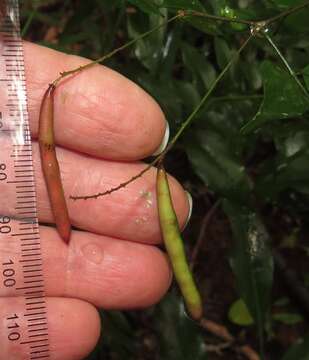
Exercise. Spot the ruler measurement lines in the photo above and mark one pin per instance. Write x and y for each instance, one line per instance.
(35, 338)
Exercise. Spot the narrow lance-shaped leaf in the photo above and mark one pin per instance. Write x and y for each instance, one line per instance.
(214, 162)
(252, 262)
(179, 337)
(147, 6)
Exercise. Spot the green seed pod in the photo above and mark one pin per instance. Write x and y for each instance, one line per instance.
(174, 246)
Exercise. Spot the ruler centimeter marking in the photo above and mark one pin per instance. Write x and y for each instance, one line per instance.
(14, 125)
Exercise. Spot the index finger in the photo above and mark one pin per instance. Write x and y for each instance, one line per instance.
(98, 111)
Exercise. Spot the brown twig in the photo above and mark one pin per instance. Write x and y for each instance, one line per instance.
(218, 348)
(205, 223)
(222, 332)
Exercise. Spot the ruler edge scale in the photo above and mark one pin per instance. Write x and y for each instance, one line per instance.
(36, 345)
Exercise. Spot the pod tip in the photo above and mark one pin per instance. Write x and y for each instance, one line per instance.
(65, 233)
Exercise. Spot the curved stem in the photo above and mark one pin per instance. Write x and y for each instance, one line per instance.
(257, 25)
(110, 54)
(186, 123)
(286, 13)
(121, 185)
(181, 14)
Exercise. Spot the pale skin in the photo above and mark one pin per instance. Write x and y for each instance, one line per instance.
(105, 125)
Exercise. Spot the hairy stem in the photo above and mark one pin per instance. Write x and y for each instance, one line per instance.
(186, 123)
(257, 26)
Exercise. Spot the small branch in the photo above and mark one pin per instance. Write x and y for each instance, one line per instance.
(120, 186)
(205, 223)
(220, 18)
(185, 124)
(221, 332)
(181, 14)
(257, 27)
(115, 51)
(218, 330)
(252, 23)
(217, 348)
(286, 13)
(248, 352)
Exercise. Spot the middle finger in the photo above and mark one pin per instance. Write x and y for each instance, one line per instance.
(129, 213)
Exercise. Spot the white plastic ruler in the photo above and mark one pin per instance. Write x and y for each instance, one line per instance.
(22, 292)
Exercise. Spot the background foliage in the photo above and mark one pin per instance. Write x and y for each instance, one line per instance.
(244, 159)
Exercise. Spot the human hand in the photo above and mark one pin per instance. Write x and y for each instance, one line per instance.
(104, 126)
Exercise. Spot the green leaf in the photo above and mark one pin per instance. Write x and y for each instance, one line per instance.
(217, 164)
(283, 98)
(119, 334)
(183, 5)
(239, 314)
(297, 22)
(287, 169)
(223, 52)
(299, 351)
(288, 318)
(146, 6)
(198, 65)
(180, 338)
(290, 139)
(285, 4)
(207, 26)
(202, 24)
(252, 262)
(161, 90)
(148, 50)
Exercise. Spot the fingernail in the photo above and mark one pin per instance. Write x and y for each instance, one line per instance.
(190, 201)
(164, 141)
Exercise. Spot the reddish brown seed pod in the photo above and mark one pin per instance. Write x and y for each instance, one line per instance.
(50, 165)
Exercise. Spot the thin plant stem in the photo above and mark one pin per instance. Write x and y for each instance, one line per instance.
(120, 186)
(252, 23)
(186, 123)
(287, 65)
(258, 26)
(211, 89)
(286, 13)
(112, 53)
(181, 14)
(219, 18)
